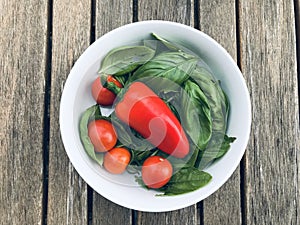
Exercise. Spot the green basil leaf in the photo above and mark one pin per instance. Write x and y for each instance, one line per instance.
(151, 44)
(196, 119)
(215, 96)
(138, 157)
(186, 180)
(193, 154)
(168, 44)
(227, 106)
(91, 113)
(173, 109)
(125, 59)
(219, 105)
(172, 46)
(219, 146)
(129, 137)
(140, 181)
(225, 146)
(165, 67)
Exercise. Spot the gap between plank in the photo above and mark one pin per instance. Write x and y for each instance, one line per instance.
(243, 161)
(243, 190)
(92, 40)
(89, 205)
(93, 22)
(46, 120)
(134, 215)
(196, 15)
(200, 206)
(135, 4)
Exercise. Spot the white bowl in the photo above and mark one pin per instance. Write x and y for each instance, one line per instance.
(76, 97)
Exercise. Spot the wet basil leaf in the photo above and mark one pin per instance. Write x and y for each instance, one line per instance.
(219, 106)
(173, 109)
(193, 155)
(151, 44)
(168, 44)
(167, 66)
(225, 146)
(129, 137)
(90, 114)
(196, 118)
(140, 181)
(217, 148)
(125, 59)
(186, 180)
(216, 98)
(172, 46)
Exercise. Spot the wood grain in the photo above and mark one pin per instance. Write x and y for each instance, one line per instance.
(188, 215)
(22, 73)
(217, 18)
(107, 212)
(297, 182)
(110, 14)
(67, 193)
(183, 12)
(268, 60)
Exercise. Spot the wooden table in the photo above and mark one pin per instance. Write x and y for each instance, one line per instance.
(41, 40)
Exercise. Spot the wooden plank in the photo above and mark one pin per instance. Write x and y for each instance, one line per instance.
(268, 60)
(297, 16)
(67, 195)
(110, 14)
(188, 215)
(107, 212)
(182, 12)
(218, 19)
(23, 38)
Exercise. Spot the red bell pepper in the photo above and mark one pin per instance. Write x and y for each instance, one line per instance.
(145, 112)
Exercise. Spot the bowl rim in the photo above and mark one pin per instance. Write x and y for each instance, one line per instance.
(65, 105)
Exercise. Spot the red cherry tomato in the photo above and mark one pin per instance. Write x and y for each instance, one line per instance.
(116, 160)
(102, 135)
(156, 171)
(102, 95)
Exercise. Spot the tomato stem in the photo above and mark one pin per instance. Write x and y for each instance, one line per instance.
(112, 87)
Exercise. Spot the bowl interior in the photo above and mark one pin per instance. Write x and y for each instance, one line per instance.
(122, 189)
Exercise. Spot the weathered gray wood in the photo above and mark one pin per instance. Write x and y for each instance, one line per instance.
(186, 215)
(297, 185)
(22, 72)
(218, 19)
(107, 212)
(67, 195)
(268, 54)
(110, 14)
(182, 12)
